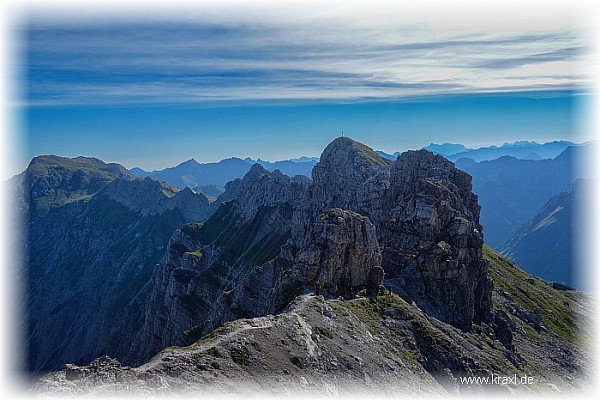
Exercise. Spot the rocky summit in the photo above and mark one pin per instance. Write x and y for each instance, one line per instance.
(433, 240)
(414, 222)
(371, 276)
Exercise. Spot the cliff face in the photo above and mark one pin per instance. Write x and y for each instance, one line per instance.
(93, 235)
(340, 253)
(209, 276)
(433, 240)
(415, 220)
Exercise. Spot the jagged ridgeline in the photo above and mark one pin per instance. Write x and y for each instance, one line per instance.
(133, 267)
(362, 217)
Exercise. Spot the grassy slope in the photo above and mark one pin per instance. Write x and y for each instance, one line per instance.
(556, 307)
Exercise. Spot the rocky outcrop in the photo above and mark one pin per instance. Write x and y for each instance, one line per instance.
(433, 240)
(261, 188)
(415, 219)
(340, 253)
(350, 176)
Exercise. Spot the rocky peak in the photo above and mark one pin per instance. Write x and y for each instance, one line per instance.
(149, 197)
(193, 205)
(351, 151)
(52, 181)
(415, 219)
(256, 171)
(433, 240)
(424, 171)
(351, 176)
(260, 188)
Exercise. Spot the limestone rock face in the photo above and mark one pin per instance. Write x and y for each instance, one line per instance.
(227, 268)
(341, 252)
(261, 188)
(362, 217)
(433, 240)
(427, 223)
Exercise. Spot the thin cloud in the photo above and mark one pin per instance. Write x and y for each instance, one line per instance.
(548, 56)
(202, 63)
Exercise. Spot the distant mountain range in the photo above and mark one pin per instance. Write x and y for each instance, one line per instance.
(194, 174)
(520, 150)
(511, 191)
(446, 149)
(523, 150)
(545, 245)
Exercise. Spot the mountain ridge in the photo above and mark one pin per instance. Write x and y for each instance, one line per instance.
(298, 234)
(545, 244)
(253, 260)
(91, 225)
(511, 190)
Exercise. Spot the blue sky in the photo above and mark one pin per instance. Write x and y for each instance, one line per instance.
(275, 82)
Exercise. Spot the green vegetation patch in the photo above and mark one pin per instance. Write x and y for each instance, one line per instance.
(208, 337)
(552, 304)
(240, 355)
(369, 311)
(196, 254)
(223, 220)
(371, 155)
(320, 331)
(248, 242)
(214, 352)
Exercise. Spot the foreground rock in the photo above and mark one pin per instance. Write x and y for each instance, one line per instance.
(369, 346)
